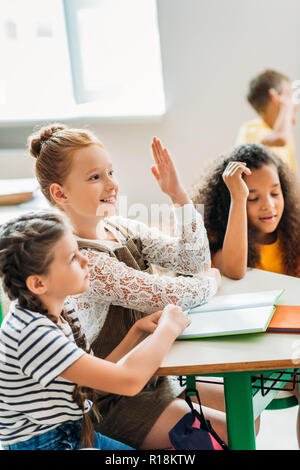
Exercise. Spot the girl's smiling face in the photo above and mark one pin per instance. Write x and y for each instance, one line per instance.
(91, 188)
(265, 203)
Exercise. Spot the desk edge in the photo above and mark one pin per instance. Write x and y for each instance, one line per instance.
(229, 367)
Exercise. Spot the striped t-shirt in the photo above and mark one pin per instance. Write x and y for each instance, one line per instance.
(33, 353)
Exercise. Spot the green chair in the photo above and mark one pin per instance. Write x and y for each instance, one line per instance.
(282, 403)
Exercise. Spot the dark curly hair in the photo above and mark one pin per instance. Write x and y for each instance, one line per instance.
(26, 248)
(215, 196)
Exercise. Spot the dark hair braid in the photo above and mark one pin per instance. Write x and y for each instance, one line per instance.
(26, 248)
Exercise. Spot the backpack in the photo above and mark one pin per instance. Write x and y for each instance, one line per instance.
(193, 431)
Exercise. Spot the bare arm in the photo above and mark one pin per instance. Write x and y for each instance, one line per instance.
(283, 124)
(114, 282)
(231, 260)
(138, 332)
(130, 376)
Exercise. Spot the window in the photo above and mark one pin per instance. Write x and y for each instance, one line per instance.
(35, 79)
(79, 58)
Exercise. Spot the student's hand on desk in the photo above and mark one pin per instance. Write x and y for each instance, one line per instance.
(174, 316)
(165, 174)
(233, 178)
(171, 316)
(149, 323)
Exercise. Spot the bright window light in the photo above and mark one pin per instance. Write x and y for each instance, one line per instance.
(35, 75)
(79, 58)
(118, 64)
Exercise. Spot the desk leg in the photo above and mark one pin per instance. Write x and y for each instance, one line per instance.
(239, 411)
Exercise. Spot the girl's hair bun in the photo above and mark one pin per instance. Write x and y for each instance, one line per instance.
(36, 140)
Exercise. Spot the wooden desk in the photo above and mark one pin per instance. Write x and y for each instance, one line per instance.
(9, 212)
(237, 358)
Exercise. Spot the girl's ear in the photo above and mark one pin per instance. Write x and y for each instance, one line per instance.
(57, 193)
(36, 285)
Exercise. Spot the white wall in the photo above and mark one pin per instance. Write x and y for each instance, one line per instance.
(210, 50)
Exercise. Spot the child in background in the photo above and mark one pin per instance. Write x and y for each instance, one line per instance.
(270, 94)
(252, 215)
(76, 174)
(41, 405)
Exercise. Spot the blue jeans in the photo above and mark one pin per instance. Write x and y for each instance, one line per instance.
(66, 437)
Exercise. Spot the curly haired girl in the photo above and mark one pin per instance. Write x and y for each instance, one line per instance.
(252, 215)
(252, 212)
(45, 366)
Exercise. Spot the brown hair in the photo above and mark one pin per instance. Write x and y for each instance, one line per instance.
(258, 91)
(215, 196)
(52, 146)
(26, 248)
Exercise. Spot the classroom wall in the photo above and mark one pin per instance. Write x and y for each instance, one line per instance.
(210, 49)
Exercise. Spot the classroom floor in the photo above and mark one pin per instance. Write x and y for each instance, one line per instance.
(278, 430)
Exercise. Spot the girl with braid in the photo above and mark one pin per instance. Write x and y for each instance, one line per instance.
(76, 175)
(47, 375)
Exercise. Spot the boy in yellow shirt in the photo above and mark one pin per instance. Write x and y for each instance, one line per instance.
(270, 94)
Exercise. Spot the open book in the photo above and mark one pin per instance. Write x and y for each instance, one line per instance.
(232, 314)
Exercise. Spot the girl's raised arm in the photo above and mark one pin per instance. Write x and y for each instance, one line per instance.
(281, 131)
(186, 251)
(231, 260)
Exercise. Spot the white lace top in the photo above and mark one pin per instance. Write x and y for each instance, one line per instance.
(113, 282)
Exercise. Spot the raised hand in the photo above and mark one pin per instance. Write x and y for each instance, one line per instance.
(233, 178)
(285, 97)
(165, 174)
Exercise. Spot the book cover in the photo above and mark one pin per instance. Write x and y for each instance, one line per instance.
(286, 319)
